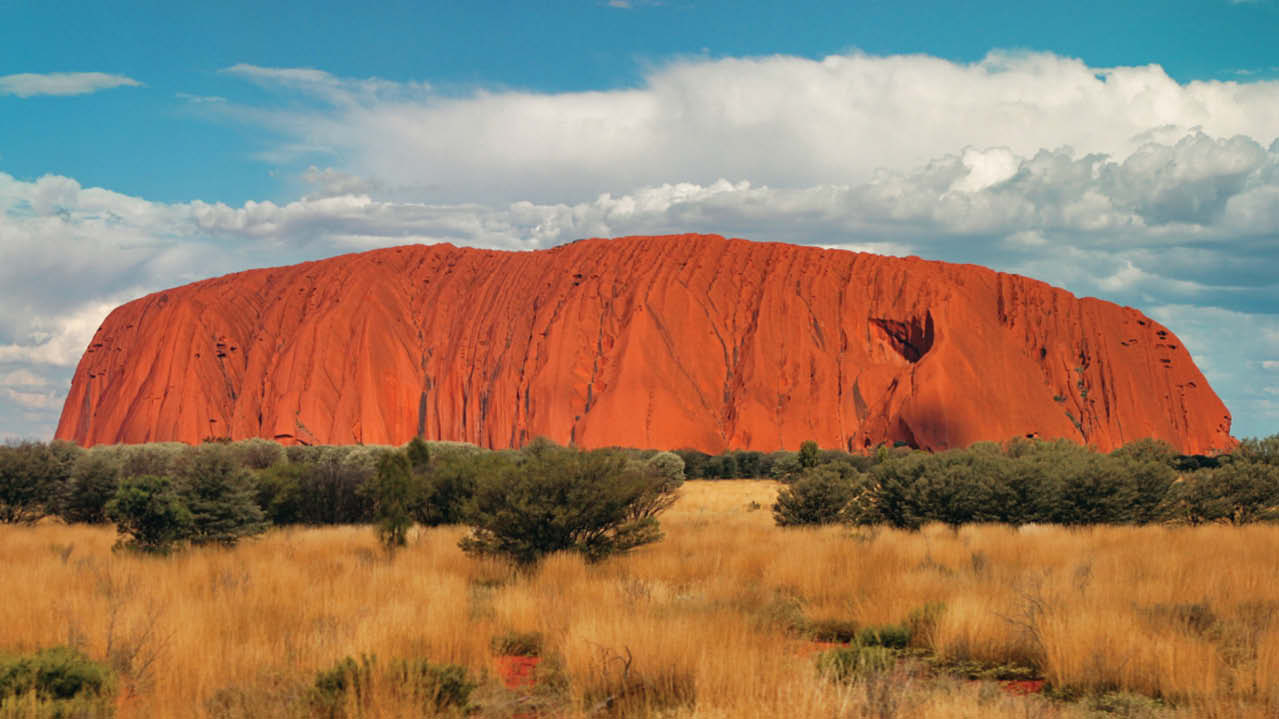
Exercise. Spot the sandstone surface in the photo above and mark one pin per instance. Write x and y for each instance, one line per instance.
(662, 342)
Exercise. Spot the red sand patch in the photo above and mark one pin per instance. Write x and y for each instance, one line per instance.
(517, 672)
(1022, 687)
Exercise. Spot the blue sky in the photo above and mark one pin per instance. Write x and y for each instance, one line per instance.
(1121, 150)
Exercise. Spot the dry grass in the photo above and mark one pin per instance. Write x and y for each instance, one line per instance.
(692, 626)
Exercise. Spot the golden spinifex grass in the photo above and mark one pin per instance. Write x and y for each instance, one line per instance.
(695, 625)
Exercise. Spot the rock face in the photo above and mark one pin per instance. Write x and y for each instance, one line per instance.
(662, 342)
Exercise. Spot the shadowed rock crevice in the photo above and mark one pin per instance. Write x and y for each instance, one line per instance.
(912, 339)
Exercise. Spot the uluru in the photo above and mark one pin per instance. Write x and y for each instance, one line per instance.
(661, 342)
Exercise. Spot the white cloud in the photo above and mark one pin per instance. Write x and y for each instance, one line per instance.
(23, 378)
(780, 121)
(33, 400)
(1022, 162)
(61, 83)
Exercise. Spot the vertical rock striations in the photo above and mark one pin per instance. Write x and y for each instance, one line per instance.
(683, 341)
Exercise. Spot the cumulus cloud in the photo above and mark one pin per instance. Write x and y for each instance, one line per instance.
(33, 400)
(61, 83)
(779, 121)
(1114, 182)
(1159, 228)
(22, 378)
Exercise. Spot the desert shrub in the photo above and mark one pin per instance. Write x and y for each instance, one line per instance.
(1261, 450)
(258, 453)
(1238, 492)
(65, 682)
(277, 490)
(750, 465)
(331, 485)
(694, 462)
(450, 482)
(893, 636)
(440, 687)
(1147, 450)
(616, 688)
(518, 644)
(786, 467)
(419, 455)
(394, 492)
(662, 475)
(955, 488)
(820, 496)
(157, 459)
(832, 630)
(149, 514)
(921, 622)
(33, 477)
(437, 688)
(848, 664)
(218, 494)
(556, 499)
(93, 481)
(667, 465)
(1151, 480)
(809, 454)
(347, 683)
(721, 466)
(1097, 490)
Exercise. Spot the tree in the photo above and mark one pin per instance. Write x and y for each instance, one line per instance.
(33, 479)
(819, 496)
(217, 492)
(278, 492)
(809, 454)
(148, 511)
(558, 499)
(394, 492)
(419, 455)
(786, 466)
(1238, 492)
(93, 483)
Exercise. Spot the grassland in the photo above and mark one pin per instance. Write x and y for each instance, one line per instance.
(705, 623)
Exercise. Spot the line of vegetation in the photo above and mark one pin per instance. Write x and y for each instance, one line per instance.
(524, 504)
(521, 505)
(1037, 482)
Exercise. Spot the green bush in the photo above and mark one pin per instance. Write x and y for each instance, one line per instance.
(218, 493)
(819, 496)
(148, 512)
(331, 484)
(439, 687)
(436, 688)
(394, 492)
(93, 482)
(277, 490)
(518, 644)
(848, 664)
(258, 453)
(33, 477)
(54, 674)
(449, 483)
(555, 499)
(809, 454)
(1239, 492)
(892, 636)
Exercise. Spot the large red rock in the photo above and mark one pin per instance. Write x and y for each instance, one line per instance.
(667, 342)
